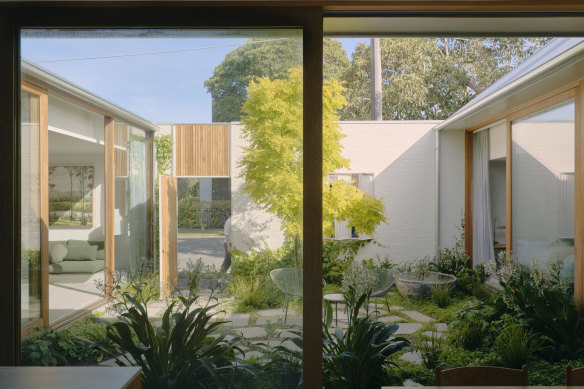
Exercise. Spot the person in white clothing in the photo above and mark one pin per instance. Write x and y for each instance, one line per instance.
(227, 261)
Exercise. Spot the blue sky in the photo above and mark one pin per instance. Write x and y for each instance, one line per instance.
(162, 88)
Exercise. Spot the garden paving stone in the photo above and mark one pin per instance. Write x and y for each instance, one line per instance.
(271, 312)
(429, 334)
(396, 308)
(411, 356)
(293, 321)
(285, 333)
(390, 319)
(268, 320)
(236, 319)
(417, 316)
(441, 327)
(252, 332)
(408, 328)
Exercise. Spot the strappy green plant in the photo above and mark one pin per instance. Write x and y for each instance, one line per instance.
(358, 357)
(185, 351)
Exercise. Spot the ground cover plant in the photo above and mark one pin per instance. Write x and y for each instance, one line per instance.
(44, 346)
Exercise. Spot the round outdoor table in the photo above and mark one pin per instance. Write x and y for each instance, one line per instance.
(335, 298)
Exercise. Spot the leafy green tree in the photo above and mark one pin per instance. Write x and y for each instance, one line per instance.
(272, 162)
(164, 145)
(431, 78)
(258, 59)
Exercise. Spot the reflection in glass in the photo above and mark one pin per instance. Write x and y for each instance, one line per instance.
(132, 150)
(30, 208)
(543, 187)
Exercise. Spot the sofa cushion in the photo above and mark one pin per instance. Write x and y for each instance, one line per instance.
(100, 255)
(58, 253)
(55, 242)
(76, 242)
(81, 253)
(76, 267)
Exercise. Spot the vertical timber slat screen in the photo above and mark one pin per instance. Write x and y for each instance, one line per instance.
(202, 150)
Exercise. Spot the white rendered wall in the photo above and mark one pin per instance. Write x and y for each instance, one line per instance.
(451, 185)
(250, 225)
(70, 119)
(401, 156)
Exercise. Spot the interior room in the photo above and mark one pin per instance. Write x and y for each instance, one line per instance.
(76, 207)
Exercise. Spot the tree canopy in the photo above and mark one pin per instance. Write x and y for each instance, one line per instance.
(272, 160)
(431, 78)
(257, 59)
(423, 78)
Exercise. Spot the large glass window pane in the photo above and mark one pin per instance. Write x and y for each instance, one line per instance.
(30, 207)
(543, 187)
(133, 195)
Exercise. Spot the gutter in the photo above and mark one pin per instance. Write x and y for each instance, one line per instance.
(46, 77)
(568, 57)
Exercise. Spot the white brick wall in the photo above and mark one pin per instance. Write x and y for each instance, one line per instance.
(451, 185)
(401, 156)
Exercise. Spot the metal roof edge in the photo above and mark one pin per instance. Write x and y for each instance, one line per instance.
(553, 65)
(57, 82)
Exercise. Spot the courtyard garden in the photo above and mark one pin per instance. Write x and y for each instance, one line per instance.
(232, 333)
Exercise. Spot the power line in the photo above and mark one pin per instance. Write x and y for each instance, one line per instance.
(158, 52)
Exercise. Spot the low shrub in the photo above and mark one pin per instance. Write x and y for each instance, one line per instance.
(471, 327)
(441, 296)
(337, 256)
(542, 301)
(452, 260)
(47, 347)
(515, 345)
(252, 285)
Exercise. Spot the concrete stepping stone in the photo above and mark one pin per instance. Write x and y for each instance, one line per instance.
(390, 319)
(441, 327)
(236, 319)
(417, 316)
(252, 332)
(429, 334)
(396, 308)
(293, 321)
(285, 333)
(276, 312)
(411, 356)
(408, 328)
(267, 320)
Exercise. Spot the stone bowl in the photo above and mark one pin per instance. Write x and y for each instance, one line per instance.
(411, 285)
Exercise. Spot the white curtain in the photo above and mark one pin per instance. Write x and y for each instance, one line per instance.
(138, 201)
(482, 238)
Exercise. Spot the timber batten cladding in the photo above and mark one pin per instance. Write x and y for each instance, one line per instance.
(202, 150)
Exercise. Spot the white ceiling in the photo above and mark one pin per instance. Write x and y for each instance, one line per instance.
(63, 144)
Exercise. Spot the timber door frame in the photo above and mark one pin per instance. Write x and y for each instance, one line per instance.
(42, 94)
(168, 219)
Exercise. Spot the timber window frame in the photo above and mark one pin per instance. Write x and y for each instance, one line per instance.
(573, 91)
(209, 14)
